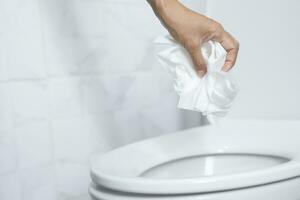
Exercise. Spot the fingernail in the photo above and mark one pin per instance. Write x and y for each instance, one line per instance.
(201, 73)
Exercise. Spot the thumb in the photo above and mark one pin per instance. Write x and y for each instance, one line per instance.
(198, 61)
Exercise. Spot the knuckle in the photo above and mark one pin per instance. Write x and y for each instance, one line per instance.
(191, 44)
(217, 27)
(236, 45)
(199, 63)
(202, 67)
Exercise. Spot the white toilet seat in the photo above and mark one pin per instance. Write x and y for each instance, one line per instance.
(272, 145)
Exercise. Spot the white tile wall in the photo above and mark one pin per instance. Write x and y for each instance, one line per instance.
(24, 42)
(34, 144)
(106, 92)
(8, 155)
(73, 179)
(39, 183)
(10, 187)
(65, 97)
(103, 132)
(3, 58)
(30, 100)
(77, 78)
(6, 108)
(71, 139)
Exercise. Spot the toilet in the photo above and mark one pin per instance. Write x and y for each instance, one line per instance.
(235, 159)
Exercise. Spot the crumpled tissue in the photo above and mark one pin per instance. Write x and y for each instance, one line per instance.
(211, 95)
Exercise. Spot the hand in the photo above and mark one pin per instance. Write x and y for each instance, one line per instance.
(192, 29)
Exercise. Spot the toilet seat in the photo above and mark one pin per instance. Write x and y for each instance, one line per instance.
(139, 168)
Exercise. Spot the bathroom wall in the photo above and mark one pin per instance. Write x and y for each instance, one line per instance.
(268, 66)
(77, 78)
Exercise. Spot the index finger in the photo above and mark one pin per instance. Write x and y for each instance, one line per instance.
(232, 48)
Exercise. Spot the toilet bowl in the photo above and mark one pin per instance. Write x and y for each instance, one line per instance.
(235, 159)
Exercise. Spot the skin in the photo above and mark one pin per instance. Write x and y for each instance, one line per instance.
(192, 29)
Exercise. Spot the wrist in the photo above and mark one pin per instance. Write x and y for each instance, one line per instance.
(162, 5)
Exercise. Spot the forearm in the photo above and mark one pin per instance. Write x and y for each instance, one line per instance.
(159, 6)
(164, 10)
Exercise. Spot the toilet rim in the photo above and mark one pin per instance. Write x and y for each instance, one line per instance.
(136, 184)
(291, 185)
(141, 185)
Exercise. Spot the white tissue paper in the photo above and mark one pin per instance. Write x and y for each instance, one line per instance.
(211, 95)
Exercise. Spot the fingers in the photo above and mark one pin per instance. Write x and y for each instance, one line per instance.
(198, 61)
(232, 48)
